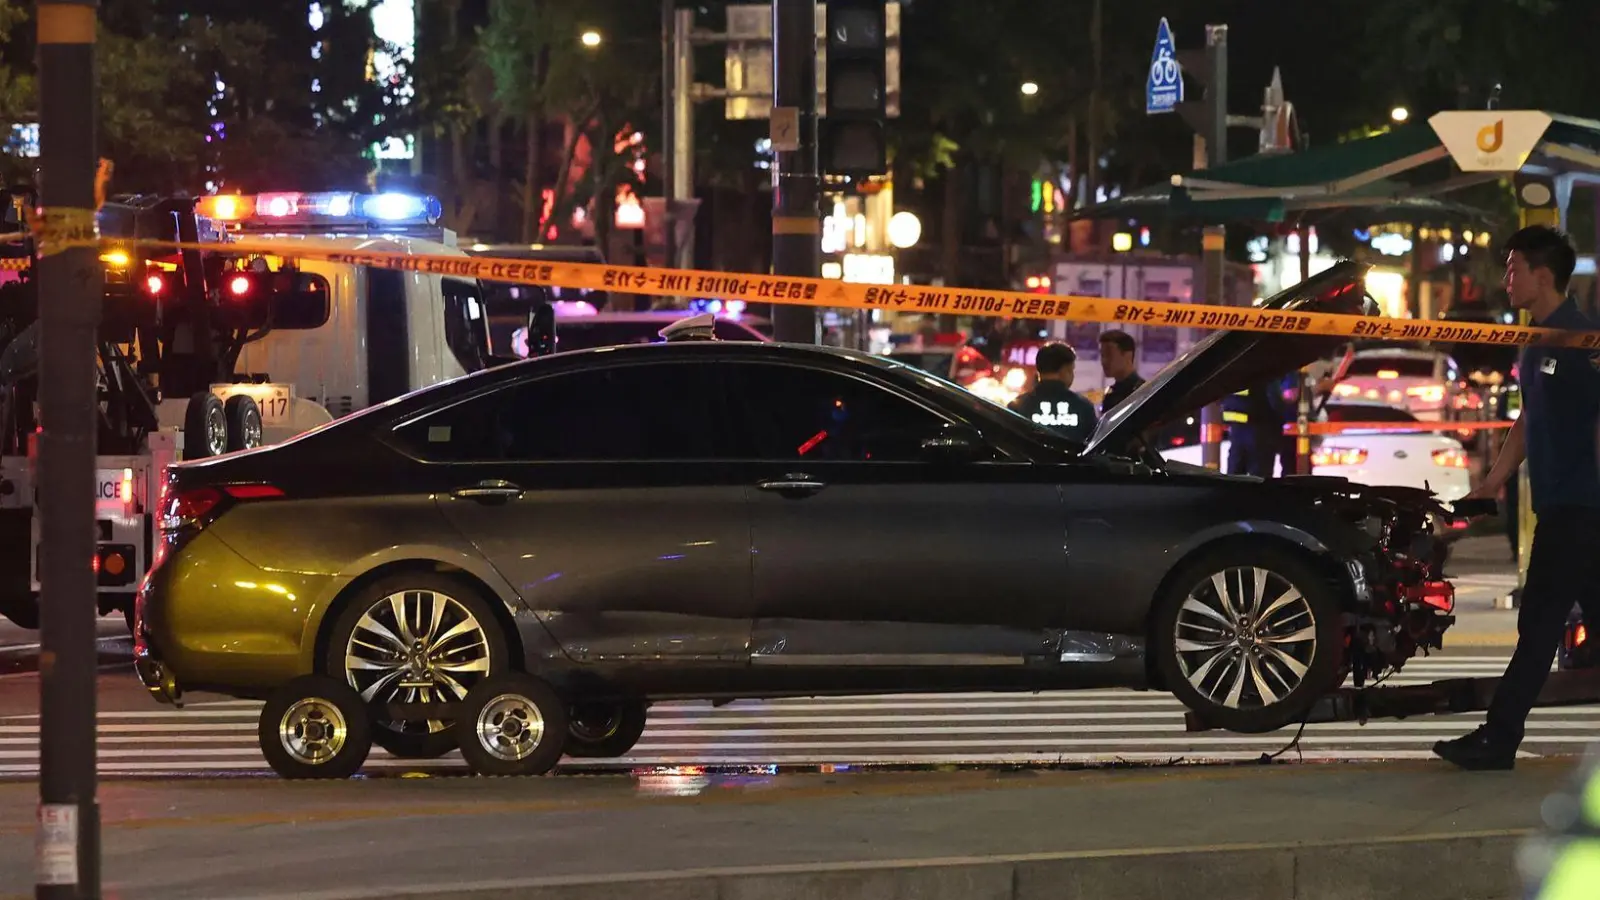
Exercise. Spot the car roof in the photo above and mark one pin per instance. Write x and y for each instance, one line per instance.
(1364, 401)
(1400, 353)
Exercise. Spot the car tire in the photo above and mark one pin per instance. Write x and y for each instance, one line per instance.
(512, 724)
(1260, 670)
(244, 422)
(315, 727)
(205, 427)
(600, 730)
(22, 609)
(415, 740)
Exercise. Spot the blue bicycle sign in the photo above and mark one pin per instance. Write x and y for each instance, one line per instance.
(1163, 87)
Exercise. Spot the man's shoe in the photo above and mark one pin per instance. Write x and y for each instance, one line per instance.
(1478, 752)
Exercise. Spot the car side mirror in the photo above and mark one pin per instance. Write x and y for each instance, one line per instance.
(955, 445)
(541, 330)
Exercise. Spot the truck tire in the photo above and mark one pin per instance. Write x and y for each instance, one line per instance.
(244, 422)
(205, 427)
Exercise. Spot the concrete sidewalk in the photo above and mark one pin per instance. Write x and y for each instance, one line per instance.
(1412, 831)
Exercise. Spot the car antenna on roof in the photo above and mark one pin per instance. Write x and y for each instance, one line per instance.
(694, 328)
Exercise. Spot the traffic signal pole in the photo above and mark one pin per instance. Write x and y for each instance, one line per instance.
(68, 852)
(796, 213)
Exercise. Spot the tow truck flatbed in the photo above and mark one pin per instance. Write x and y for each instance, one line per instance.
(1445, 697)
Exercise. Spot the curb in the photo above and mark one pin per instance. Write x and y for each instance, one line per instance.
(1478, 865)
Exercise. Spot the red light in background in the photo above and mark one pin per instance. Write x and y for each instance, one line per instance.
(155, 284)
(239, 285)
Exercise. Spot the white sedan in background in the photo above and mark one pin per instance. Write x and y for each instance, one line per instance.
(1426, 382)
(1418, 459)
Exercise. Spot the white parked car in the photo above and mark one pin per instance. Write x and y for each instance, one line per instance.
(1418, 459)
(1425, 382)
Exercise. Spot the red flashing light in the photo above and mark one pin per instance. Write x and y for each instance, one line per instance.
(155, 284)
(239, 285)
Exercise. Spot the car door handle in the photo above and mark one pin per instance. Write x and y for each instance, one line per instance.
(488, 492)
(792, 483)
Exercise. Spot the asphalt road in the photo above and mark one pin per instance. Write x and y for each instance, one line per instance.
(216, 735)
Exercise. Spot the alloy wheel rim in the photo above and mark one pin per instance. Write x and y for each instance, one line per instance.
(217, 432)
(510, 727)
(250, 434)
(313, 731)
(416, 647)
(595, 722)
(1245, 638)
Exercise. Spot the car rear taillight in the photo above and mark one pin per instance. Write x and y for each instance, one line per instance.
(198, 507)
(1339, 456)
(1451, 457)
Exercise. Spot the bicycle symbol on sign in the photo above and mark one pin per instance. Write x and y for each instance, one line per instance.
(1164, 71)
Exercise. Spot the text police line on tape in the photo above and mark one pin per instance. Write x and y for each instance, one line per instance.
(825, 292)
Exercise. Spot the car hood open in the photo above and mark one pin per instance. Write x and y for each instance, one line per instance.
(1228, 361)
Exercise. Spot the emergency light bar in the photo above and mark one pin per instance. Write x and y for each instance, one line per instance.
(331, 208)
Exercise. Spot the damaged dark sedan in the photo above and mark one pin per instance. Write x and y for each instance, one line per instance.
(542, 550)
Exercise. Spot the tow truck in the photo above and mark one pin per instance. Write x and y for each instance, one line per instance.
(203, 352)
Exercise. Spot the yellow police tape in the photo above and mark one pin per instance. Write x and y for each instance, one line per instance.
(827, 292)
(57, 228)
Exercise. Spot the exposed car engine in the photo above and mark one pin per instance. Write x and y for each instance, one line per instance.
(1407, 604)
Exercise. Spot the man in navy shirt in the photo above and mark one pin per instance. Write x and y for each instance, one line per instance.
(1556, 435)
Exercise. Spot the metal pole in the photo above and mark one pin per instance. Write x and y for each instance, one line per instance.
(796, 226)
(683, 132)
(669, 147)
(68, 853)
(1214, 240)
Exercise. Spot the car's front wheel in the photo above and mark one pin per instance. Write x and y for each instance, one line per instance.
(1249, 637)
(415, 638)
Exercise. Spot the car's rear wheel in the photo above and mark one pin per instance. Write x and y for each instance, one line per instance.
(22, 609)
(1249, 637)
(600, 730)
(415, 638)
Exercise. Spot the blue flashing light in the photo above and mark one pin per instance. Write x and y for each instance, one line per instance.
(324, 208)
(393, 207)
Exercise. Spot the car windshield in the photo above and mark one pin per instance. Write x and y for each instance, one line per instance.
(1354, 412)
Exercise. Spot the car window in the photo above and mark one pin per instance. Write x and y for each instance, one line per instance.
(936, 363)
(631, 413)
(796, 413)
(466, 329)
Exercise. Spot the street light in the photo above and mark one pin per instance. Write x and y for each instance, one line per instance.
(905, 229)
(1029, 88)
(1399, 114)
(591, 38)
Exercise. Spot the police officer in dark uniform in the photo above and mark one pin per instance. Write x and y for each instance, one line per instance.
(1052, 402)
(1556, 435)
(1255, 418)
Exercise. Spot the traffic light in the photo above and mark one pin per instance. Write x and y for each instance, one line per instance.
(857, 84)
